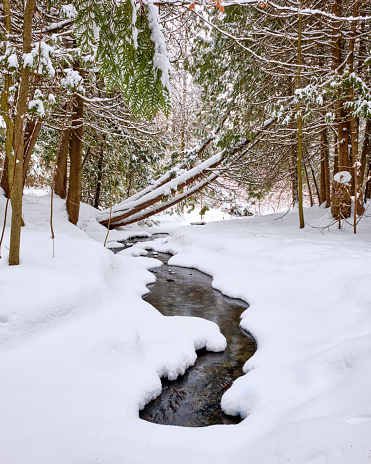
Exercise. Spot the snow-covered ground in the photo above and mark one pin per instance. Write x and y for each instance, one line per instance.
(81, 352)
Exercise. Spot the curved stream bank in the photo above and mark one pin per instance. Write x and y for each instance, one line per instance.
(193, 399)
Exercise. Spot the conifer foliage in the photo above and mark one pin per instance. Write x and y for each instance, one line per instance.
(53, 56)
(125, 40)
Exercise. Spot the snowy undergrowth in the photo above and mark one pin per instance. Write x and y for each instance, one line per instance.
(80, 351)
(306, 392)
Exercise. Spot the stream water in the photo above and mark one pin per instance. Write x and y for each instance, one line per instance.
(193, 400)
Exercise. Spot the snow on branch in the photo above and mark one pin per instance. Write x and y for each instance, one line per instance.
(190, 156)
(141, 206)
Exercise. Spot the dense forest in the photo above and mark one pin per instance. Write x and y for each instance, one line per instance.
(142, 105)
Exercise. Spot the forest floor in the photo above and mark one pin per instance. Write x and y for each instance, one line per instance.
(81, 352)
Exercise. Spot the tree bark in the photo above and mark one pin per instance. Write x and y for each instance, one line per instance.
(16, 179)
(308, 183)
(74, 189)
(30, 136)
(99, 177)
(315, 182)
(294, 176)
(325, 170)
(366, 151)
(341, 203)
(368, 184)
(162, 194)
(300, 124)
(61, 165)
(144, 214)
(4, 183)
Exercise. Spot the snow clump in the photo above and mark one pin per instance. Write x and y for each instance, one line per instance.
(343, 177)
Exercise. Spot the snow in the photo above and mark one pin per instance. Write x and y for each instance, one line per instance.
(160, 60)
(81, 352)
(27, 59)
(69, 11)
(13, 61)
(42, 54)
(343, 177)
(72, 80)
(161, 191)
(38, 107)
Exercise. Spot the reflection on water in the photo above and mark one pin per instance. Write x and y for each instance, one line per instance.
(193, 400)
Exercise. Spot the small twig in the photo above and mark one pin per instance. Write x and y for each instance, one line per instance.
(113, 190)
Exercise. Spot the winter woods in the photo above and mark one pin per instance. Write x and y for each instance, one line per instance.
(69, 68)
(272, 96)
(307, 63)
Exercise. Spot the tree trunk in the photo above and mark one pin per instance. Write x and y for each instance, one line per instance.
(30, 136)
(31, 133)
(294, 177)
(61, 165)
(99, 177)
(74, 189)
(16, 179)
(366, 151)
(368, 183)
(4, 183)
(315, 182)
(300, 124)
(161, 193)
(308, 183)
(325, 170)
(144, 214)
(341, 203)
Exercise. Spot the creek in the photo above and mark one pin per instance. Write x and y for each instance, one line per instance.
(193, 399)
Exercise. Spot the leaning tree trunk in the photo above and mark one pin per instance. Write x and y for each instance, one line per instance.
(315, 181)
(74, 188)
(308, 183)
(16, 171)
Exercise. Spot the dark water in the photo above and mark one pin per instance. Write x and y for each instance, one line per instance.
(193, 400)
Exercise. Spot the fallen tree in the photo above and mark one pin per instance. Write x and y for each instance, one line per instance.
(168, 190)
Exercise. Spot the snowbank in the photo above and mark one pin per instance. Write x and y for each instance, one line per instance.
(305, 394)
(81, 352)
